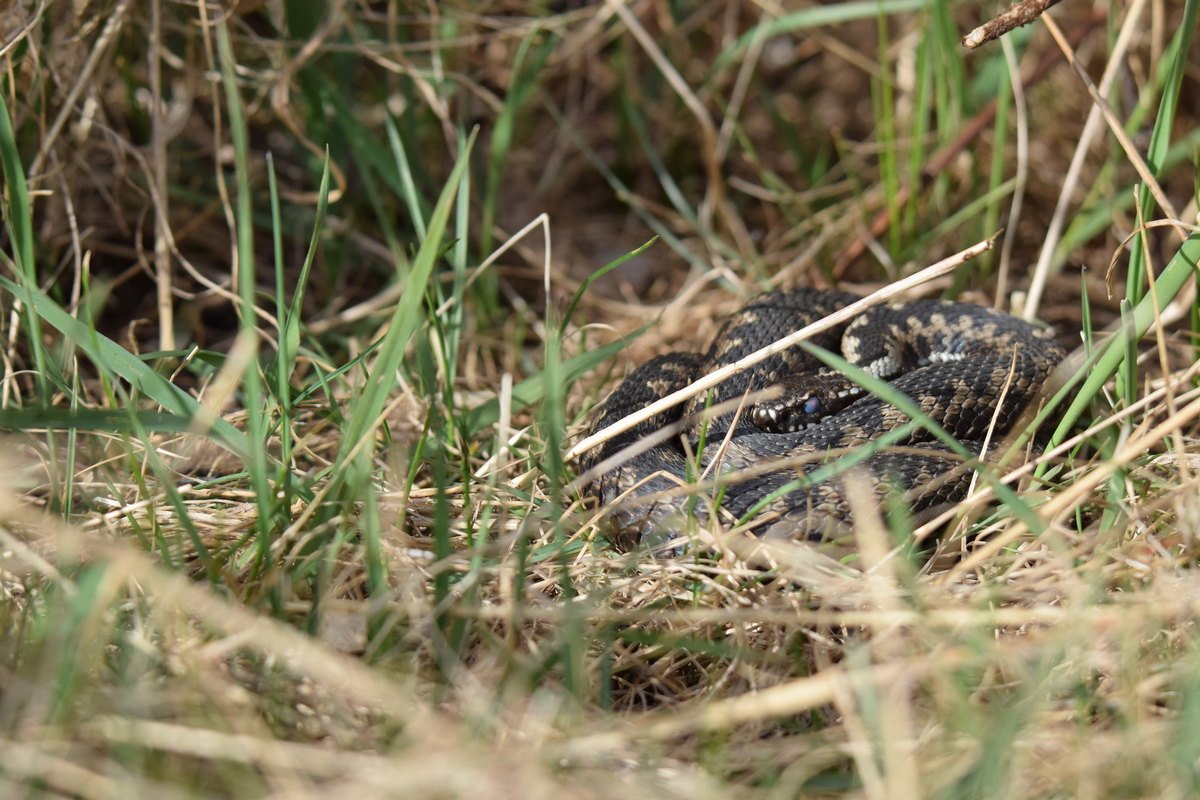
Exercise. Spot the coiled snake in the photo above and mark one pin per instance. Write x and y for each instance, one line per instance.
(970, 369)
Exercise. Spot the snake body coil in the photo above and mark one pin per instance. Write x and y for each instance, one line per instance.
(970, 369)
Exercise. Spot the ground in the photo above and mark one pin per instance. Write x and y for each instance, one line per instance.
(305, 304)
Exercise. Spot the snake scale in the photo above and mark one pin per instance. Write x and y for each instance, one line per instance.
(972, 370)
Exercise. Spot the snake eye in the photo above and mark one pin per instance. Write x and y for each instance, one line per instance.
(812, 405)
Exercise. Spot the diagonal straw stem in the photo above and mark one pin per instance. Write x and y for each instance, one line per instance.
(836, 318)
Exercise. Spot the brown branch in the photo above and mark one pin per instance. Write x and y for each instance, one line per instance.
(1022, 13)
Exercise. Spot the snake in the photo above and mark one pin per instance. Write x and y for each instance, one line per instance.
(766, 446)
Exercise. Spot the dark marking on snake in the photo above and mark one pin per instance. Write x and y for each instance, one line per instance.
(972, 370)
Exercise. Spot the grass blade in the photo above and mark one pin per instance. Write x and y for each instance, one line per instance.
(115, 360)
(366, 409)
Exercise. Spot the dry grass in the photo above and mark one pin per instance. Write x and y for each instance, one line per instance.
(359, 564)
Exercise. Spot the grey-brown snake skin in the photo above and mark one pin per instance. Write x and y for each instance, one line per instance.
(970, 369)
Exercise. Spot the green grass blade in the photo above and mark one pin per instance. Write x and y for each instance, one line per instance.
(113, 359)
(290, 336)
(408, 187)
(126, 421)
(533, 389)
(1112, 353)
(523, 83)
(19, 221)
(597, 275)
(367, 408)
(257, 422)
(620, 189)
(815, 17)
(1160, 137)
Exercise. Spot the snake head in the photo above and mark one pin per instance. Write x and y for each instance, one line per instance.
(804, 401)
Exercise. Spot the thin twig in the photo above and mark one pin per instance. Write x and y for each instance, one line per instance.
(1022, 13)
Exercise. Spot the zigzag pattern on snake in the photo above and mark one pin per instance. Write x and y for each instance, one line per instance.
(971, 369)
